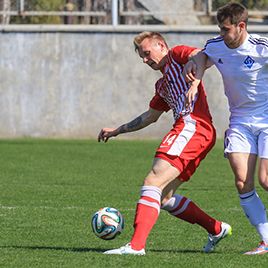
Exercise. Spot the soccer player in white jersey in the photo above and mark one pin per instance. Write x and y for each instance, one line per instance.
(180, 151)
(242, 60)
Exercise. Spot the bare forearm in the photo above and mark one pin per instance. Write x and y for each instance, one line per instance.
(136, 124)
(139, 122)
(200, 59)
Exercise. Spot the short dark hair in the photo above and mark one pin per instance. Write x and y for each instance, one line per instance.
(234, 11)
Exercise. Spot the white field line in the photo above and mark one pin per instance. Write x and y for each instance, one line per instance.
(52, 208)
(82, 208)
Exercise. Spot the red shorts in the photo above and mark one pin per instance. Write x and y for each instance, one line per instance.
(186, 144)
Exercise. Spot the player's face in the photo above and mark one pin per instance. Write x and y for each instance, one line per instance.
(233, 35)
(152, 52)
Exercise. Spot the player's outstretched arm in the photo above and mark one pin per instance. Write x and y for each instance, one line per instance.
(193, 72)
(190, 95)
(194, 69)
(139, 122)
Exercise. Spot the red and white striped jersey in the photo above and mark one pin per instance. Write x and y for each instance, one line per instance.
(171, 88)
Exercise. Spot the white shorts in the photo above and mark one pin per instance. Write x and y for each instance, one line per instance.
(247, 138)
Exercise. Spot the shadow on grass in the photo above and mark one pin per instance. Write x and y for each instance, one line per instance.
(55, 248)
(175, 251)
(100, 250)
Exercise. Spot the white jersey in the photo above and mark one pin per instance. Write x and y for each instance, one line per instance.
(245, 74)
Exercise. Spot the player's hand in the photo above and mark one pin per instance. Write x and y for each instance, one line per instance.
(106, 133)
(189, 71)
(190, 97)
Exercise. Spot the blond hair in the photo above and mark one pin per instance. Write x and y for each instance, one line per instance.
(151, 35)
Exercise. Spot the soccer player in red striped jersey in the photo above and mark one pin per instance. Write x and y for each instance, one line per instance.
(181, 150)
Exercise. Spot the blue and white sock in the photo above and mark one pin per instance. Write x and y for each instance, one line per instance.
(256, 213)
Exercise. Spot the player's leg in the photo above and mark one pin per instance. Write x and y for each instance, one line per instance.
(148, 206)
(162, 174)
(242, 145)
(262, 227)
(185, 209)
(243, 166)
(263, 173)
(186, 155)
(263, 180)
(263, 155)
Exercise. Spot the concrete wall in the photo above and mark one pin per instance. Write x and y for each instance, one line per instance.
(177, 12)
(71, 84)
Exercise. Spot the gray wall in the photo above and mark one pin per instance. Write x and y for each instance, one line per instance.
(71, 84)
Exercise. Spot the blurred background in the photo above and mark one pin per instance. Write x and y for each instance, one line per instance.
(122, 12)
(68, 67)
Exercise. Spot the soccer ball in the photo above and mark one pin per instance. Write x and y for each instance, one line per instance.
(107, 223)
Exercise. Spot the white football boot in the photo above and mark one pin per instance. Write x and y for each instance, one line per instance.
(213, 240)
(125, 250)
(262, 248)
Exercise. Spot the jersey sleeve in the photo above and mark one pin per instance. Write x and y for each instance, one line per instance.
(181, 53)
(264, 42)
(210, 45)
(158, 103)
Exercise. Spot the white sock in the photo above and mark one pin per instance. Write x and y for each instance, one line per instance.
(172, 203)
(152, 192)
(255, 212)
(262, 229)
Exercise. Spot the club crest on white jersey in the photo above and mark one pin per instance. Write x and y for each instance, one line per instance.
(249, 62)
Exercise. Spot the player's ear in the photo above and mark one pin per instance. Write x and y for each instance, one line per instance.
(242, 25)
(161, 45)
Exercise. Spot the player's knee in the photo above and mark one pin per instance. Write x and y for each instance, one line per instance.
(149, 181)
(243, 186)
(153, 179)
(239, 185)
(263, 180)
(165, 199)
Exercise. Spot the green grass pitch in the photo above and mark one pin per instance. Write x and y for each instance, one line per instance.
(50, 188)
